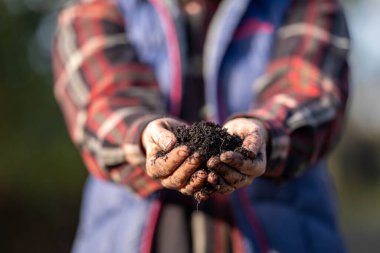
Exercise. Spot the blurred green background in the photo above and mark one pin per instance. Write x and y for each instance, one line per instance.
(41, 174)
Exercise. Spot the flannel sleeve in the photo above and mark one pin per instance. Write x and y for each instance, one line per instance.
(302, 95)
(107, 96)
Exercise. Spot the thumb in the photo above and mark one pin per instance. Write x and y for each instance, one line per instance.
(164, 139)
(157, 136)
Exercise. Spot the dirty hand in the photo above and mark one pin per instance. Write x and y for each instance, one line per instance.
(234, 169)
(174, 170)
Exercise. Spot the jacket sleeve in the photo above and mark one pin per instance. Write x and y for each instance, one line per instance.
(302, 95)
(107, 95)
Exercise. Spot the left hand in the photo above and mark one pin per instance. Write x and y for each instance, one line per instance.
(235, 170)
(177, 169)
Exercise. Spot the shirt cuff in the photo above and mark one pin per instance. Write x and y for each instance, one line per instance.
(133, 149)
(133, 173)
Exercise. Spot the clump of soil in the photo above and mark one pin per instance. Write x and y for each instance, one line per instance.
(209, 140)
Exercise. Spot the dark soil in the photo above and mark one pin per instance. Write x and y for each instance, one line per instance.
(209, 140)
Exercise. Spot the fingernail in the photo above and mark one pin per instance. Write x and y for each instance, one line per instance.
(202, 174)
(226, 156)
(212, 162)
(213, 178)
(167, 142)
(183, 152)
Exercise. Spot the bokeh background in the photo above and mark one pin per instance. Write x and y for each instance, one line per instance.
(41, 174)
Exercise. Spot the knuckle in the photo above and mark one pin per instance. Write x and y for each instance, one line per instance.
(165, 183)
(233, 159)
(212, 162)
(175, 181)
(227, 156)
(151, 173)
(186, 191)
(226, 189)
(154, 176)
(238, 179)
(183, 151)
(176, 160)
(158, 172)
(222, 170)
(245, 181)
(248, 168)
(238, 162)
(198, 178)
(212, 178)
(193, 160)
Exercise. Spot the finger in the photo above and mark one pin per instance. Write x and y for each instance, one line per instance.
(212, 162)
(251, 167)
(158, 136)
(162, 138)
(204, 193)
(253, 143)
(182, 174)
(216, 181)
(213, 178)
(196, 182)
(223, 188)
(160, 167)
(201, 196)
(231, 176)
(233, 128)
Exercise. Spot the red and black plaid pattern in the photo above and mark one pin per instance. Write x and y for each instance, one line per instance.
(302, 96)
(108, 97)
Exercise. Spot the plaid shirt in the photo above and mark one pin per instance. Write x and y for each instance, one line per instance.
(108, 96)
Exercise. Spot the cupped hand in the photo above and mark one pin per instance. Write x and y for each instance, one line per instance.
(177, 169)
(235, 169)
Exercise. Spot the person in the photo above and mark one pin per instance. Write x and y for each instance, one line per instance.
(127, 72)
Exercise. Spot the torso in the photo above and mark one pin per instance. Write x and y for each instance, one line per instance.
(197, 15)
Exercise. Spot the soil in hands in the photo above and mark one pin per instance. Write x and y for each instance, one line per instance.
(209, 140)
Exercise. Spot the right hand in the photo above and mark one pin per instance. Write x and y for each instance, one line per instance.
(174, 170)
